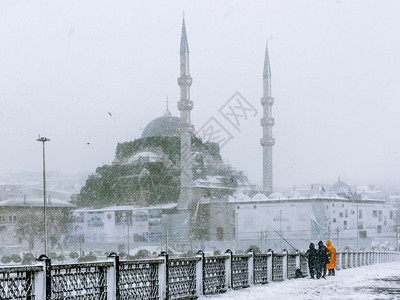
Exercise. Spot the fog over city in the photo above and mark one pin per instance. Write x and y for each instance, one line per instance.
(90, 74)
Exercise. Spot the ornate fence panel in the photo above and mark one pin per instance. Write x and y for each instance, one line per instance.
(261, 268)
(303, 264)
(214, 275)
(182, 278)
(79, 281)
(291, 266)
(17, 283)
(139, 279)
(277, 267)
(240, 271)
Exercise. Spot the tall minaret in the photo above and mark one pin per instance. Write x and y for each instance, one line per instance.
(267, 122)
(185, 105)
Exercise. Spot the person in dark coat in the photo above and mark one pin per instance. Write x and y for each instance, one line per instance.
(323, 259)
(312, 257)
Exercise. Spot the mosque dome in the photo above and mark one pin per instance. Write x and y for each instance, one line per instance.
(340, 187)
(259, 197)
(276, 196)
(165, 125)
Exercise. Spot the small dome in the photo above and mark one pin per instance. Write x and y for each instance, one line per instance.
(149, 156)
(162, 126)
(340, 187)
(276, 196)
(241, 197)
(259, 197)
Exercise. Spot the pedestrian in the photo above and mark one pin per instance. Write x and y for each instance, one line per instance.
(323, 259)
(332, 261)
(312, 257)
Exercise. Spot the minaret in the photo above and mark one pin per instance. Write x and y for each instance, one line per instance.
(185, 105)
(267, 141)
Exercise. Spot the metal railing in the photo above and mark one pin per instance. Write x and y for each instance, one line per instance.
(164, 277)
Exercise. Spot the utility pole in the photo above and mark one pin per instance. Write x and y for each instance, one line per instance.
(43, 140)
(237, 232)
(397, 228)
(280, 229)
(357, 224)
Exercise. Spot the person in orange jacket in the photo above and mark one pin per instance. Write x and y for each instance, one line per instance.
(332, 261)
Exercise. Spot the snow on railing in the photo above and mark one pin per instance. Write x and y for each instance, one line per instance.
(164, 277)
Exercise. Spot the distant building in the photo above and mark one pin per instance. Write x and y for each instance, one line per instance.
(30, 211)
(347, 219)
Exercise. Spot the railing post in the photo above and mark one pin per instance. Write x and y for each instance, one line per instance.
(346, 262)
(270, 260)
(163, 277)
(250, 264)
(43, 279)
(113, 277)
(339, 262)
(298, 261)
(285, 264)
(228, 268)
(200, 274)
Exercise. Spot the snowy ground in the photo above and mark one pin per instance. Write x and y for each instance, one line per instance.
(380, 281)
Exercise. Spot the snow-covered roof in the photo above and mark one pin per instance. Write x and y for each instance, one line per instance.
(294, 195)
(128, 207)
(34, 202)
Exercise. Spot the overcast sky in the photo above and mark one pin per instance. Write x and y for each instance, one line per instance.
(335, 79)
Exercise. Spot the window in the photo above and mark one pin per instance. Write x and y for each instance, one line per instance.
(346, 212)
(341, 214)
(360, 225)
(379, 229)
(345, 225)
(374, 213)
(334, 220)
(379, 216)
(384, 221)
(333, 204)
(362, 234)
(391, 215)
(360, 214)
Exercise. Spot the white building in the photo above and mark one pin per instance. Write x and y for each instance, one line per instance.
(345, 218)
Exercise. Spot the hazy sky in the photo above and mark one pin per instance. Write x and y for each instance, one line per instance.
(335, 79)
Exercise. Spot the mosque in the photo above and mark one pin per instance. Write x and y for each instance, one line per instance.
(171, 185)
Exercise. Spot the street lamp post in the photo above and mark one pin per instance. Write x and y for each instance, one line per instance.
(43, 140)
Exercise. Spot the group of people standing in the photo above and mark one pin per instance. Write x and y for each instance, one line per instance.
(321, 259)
